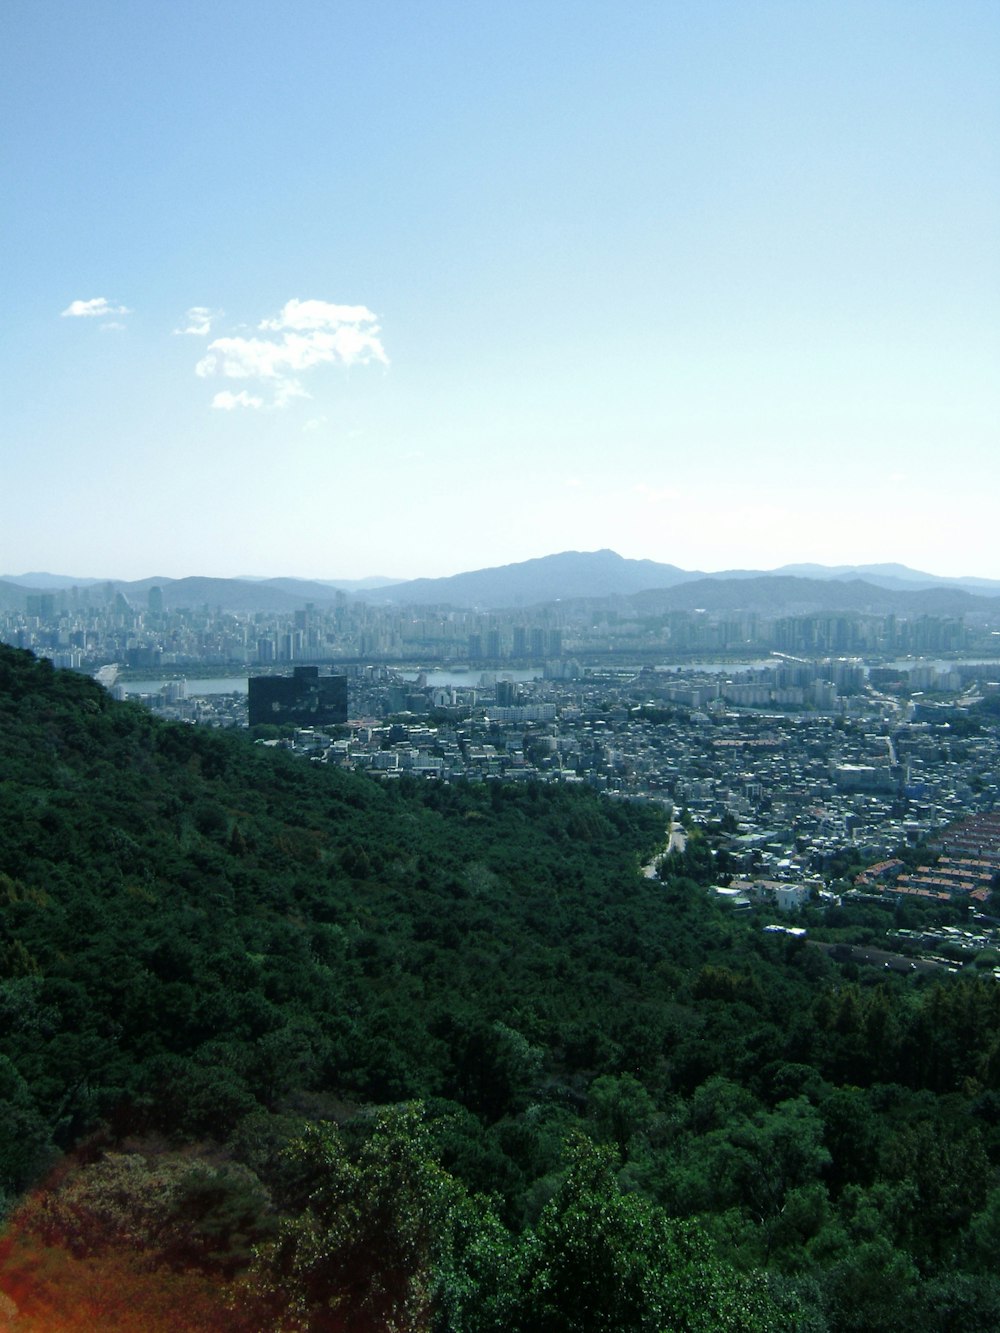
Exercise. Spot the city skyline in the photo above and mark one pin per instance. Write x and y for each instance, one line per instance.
(406, 292)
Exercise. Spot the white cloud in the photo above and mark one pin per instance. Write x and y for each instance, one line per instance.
(228, 402)
(310, 334)
(113, 324)
(317, 315)
(198, 321)
(96, 306)
(287, 390)
(266, 358)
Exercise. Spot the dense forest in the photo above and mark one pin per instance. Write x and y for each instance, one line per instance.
(282, 1047)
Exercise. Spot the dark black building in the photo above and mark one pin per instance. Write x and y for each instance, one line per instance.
(303, 699)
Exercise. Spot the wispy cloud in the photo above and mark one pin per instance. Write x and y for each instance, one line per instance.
(306, 334)
(227, 401)
(96, 307)
(198, 321)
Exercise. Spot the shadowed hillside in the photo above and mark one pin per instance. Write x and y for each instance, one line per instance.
(326, 1054)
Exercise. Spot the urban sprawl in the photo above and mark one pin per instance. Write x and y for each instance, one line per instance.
(814, 749)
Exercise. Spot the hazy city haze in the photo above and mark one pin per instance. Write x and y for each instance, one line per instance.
(337, 291)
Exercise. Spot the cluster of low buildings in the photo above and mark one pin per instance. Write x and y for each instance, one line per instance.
(965, 865)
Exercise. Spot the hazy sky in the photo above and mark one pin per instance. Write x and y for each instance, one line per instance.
(413, 287)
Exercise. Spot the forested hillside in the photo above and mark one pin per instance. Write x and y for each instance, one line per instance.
(281, 1047)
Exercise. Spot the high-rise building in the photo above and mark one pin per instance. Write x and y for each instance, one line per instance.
(507, 693)
(303, 699)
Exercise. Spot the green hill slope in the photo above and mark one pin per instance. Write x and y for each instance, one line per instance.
(206, 924)
(206, 942)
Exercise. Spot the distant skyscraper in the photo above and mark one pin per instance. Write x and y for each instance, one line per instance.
(42, 605)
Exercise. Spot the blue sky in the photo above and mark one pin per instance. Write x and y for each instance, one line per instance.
(335, 290)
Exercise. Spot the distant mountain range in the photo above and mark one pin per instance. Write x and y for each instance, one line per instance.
(569, 576)
(551, 578)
